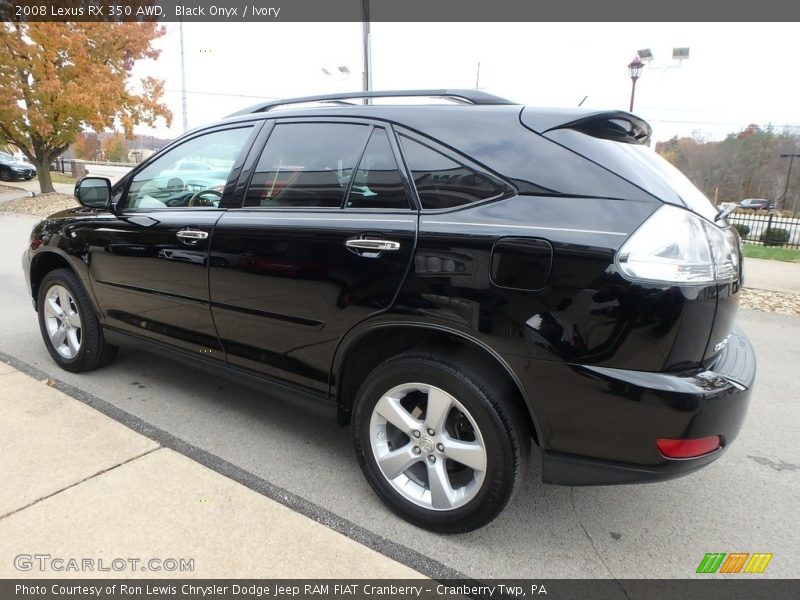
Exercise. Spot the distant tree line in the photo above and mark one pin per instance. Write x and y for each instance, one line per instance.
(112, 146)
(90, 146)
(747, 164)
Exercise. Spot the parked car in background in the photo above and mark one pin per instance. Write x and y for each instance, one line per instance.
(757, 204)
(452, 281)
(12, 169)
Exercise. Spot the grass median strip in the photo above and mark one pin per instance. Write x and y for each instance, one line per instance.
(771, 253)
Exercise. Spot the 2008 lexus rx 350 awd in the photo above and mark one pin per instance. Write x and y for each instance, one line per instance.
(453, 281)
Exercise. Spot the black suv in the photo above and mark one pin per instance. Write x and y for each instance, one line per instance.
(453, 280)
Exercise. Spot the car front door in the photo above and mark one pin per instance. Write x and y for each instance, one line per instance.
(148, 264)
(323, 240)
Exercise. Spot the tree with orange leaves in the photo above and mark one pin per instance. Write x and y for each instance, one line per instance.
(58, 78)
(87, 146)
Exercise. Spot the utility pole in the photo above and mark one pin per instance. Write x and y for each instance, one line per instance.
(791, 158)
(183, 82)
(366, 51)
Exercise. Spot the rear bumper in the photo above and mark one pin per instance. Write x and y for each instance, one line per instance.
(634, 408)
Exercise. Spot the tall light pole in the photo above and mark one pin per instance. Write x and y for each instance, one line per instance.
(791, 158)
(367, 51)
(635, 70)
(183, 83)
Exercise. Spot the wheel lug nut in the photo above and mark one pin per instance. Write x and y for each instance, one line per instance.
(416, 434)
(431, 458)
(431, 431)
(440, 447)
(417, 450)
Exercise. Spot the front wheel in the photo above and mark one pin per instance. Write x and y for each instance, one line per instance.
(443, 446)
(69, 326)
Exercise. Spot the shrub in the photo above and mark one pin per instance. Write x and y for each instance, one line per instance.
(775, 236)
(742, 229)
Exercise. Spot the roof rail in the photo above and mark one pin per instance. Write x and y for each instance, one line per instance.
(463, 96)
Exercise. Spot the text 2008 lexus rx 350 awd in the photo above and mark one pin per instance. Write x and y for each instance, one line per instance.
(454, 281)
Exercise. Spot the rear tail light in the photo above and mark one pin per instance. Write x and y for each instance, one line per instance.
(676, 246)
(688, 448)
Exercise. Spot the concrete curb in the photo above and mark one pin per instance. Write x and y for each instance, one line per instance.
(330, 535)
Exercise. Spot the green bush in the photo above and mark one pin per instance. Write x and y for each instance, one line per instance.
(775, 236)
(742, 229)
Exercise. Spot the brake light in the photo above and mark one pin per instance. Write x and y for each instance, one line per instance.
(676, 246)
(688, 448)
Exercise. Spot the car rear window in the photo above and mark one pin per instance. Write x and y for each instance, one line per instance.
(638, 164)
(442, 182)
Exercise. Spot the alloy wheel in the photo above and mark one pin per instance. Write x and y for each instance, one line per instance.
(428, 446)
(63, 321)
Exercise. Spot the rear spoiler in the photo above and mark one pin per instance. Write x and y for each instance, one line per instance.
(616, 125)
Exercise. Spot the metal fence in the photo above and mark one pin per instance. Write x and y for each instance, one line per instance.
(61, 164)
(767, 229)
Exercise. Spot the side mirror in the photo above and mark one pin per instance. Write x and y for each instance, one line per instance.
(94, 192)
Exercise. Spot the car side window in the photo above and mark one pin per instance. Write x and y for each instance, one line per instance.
(378, 183)
(442, 182)
(306, 165)
(193, 174)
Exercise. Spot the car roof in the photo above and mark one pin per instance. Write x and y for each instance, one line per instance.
(418, 116)
(465, 102)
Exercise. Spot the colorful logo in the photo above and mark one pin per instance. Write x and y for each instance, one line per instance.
(734, 562)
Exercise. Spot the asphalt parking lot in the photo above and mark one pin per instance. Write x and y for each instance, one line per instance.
(745, 502)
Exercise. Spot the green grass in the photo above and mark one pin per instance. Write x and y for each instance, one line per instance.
(769, 253)
(61, 178)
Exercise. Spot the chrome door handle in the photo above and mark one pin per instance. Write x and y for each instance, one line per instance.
(191, 235)
(372, 244)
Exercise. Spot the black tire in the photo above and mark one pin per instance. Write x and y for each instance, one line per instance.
(490, 403)
(5, 175)
(92, 351)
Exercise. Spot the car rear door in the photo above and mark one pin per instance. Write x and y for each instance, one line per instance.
(323, 240)
(148, 265)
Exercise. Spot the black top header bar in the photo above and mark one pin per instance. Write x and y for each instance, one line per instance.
(239, 11)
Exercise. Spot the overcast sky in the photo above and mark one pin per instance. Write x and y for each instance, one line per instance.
(737, 73)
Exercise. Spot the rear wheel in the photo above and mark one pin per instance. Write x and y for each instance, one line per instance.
(5, 175)
(441, 444)
(69, 326)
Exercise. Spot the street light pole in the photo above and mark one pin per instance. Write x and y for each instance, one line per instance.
(791, 158)
(183, 83)
(367, 51)
(635, 69)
